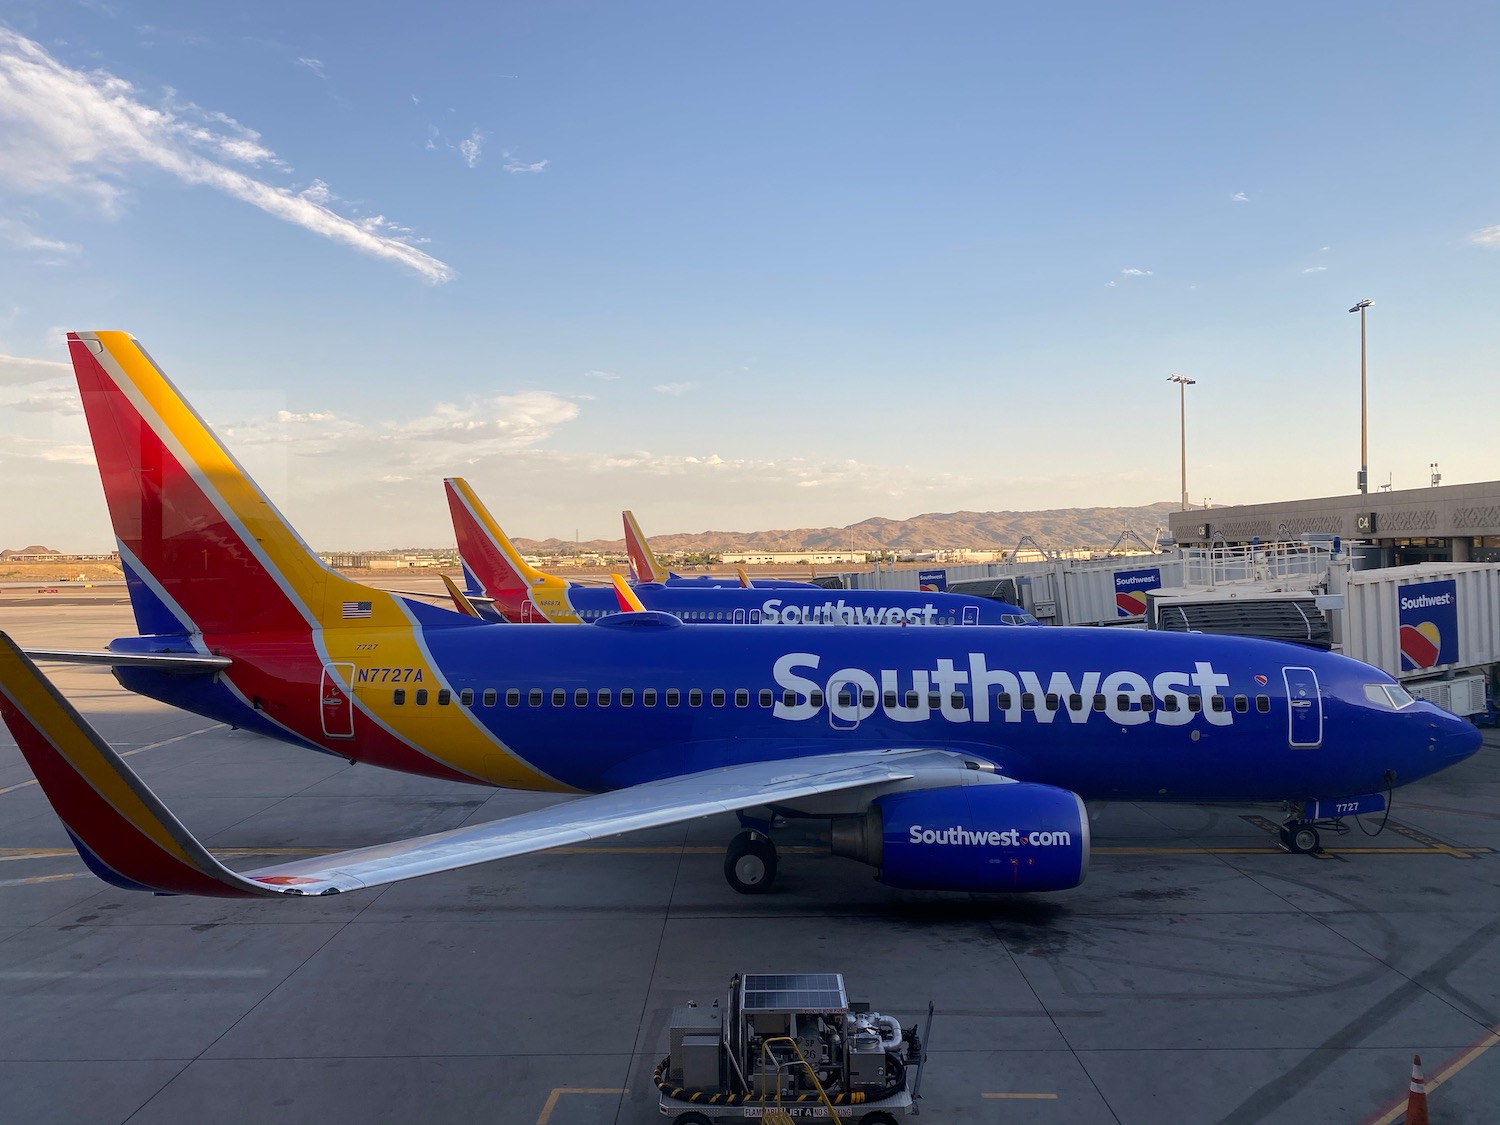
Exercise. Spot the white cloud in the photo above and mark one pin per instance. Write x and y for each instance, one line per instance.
(672, 388)
(514, 165)
(1133, 272)
(1490, 236)
(314, 65)
(1315, 269)
(469, 149)
(48, 251)
(1239, 197)
(600, 375)
(70, 132)
(315, 416)
(15, 370)
(60, 399)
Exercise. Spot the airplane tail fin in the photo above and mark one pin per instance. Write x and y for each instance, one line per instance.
(629, 603)
(125, 834)
(494, 563)
(643, 563)
(204, 550)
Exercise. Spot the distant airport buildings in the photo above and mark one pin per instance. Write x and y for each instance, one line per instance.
(1443, 523)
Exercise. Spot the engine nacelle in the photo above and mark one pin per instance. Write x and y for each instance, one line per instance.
(1007, 837)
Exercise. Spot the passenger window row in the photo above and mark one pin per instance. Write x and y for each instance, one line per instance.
(911, 700)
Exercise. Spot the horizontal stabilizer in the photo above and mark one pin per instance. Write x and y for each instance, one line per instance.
(157, 661)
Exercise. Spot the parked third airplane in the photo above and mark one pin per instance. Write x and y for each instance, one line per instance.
(949, 759)
(522, 593)
(645, 567)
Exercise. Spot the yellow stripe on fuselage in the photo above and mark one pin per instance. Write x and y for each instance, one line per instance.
(450, 733)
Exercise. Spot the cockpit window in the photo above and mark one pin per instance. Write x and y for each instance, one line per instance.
(1393, 696)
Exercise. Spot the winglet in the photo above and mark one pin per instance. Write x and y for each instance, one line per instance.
(744, 578)
(629, 603)
(643, 563)
(120, 828)
(460, 599)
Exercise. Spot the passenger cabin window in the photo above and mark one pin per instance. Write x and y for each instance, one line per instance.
(934, 701)
(674, 697)
(867, 700)
(466, 697)
(1075, 702)
(956, 701)
(1148, 703)
(604, 697)
(559, 697)
(648, 697)
(1101, 704)
(421, 697)
(695, 697)
(1169, 703)
(581, 697)
(399, 699)
(1028, 701)
(445, 697)
(1216, 702)
(1241, 703)
(1051, 701)
(741, 697)
(889, 699)
(789, 698)
(1122, 702)
(767, 697)
(1263, 704)
(913, 701)
(815, 697)
(627, 697)
(1195, 702)
(491, 697)
(1002, 701)
(846, 698)
(717, 697)
(534, 697)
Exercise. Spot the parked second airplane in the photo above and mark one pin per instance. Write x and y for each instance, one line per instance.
(522, 593)
(645, 567)
(948, 759)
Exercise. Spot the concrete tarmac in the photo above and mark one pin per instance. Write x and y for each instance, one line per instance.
(1199, 976)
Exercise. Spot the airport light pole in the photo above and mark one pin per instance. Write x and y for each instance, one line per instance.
(1183, 383)
(1364, 429)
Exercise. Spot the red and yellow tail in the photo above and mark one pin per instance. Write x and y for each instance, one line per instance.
(643, 562)
(520, 592)
(203, 548)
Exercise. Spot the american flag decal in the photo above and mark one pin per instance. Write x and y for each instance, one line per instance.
(356, 609)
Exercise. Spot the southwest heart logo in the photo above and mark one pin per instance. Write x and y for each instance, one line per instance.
(1261, 680)
(1130, 605)
(1420, 644)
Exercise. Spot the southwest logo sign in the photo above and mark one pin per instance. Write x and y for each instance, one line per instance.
(1429, 624)
(1130, 590)
(932, 581)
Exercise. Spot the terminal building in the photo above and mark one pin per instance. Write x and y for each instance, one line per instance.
(1444, 524)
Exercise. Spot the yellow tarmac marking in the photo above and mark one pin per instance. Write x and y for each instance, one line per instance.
(558, 1091)
(128, 753)
(1397, 1108)
(1023, 1097)
(43, 879)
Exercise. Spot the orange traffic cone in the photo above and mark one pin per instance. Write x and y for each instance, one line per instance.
(1416, 1101)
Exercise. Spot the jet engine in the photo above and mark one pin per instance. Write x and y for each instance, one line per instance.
(1012, 836)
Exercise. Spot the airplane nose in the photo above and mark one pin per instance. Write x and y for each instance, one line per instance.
(1454, 738)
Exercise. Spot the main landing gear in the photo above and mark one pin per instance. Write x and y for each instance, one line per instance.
(1300, 837)
(750, 863)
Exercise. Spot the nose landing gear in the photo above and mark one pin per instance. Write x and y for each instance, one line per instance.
(1300, 837)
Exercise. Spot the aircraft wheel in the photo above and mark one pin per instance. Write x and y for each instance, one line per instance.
(750, 863)
(1305, 838)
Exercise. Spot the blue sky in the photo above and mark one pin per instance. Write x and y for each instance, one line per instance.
(752, 266)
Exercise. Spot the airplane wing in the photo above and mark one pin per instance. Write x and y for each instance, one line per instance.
(129, 838)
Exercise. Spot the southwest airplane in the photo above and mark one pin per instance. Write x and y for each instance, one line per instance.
(521, 593)
(949, 759)
(644, 567)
